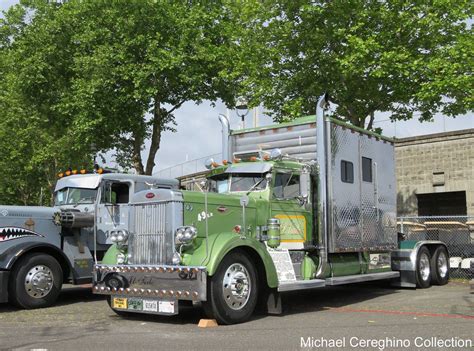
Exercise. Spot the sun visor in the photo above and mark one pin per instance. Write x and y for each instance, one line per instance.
(250, 168)
(80, 181)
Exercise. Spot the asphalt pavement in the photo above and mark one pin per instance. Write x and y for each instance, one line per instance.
(362, 316)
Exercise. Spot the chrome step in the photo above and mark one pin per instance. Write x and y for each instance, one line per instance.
(348, 279)
(301, 285)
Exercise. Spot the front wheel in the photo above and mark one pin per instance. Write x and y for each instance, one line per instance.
(35, 281)
(233, 290)
(423, 268)
(440, 266)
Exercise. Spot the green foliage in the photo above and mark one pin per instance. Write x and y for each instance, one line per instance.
(85, 76)
(397, 56)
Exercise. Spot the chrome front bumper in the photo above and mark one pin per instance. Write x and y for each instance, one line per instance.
(151, 282)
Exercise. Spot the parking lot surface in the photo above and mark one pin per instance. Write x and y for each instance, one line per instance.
(350, 315)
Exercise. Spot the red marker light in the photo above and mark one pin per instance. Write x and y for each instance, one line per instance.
(150, 195)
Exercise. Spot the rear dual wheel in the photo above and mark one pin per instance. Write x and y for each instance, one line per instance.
(423, 268)
(440, 266)
(432, 269)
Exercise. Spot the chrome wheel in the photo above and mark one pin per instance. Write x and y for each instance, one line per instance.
(236, 286)
(424, 267)
(442, 265)
(38, 281)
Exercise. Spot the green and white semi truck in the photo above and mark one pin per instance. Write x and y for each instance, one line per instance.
(300, 205)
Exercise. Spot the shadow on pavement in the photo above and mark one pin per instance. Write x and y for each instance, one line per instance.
(70, 294)
(298, 302)
(333, 297)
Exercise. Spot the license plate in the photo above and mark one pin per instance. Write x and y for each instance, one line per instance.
(150, 306)
(166, 306)
(135, 304)
(119, 302)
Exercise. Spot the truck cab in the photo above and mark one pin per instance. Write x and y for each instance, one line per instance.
(43, 247)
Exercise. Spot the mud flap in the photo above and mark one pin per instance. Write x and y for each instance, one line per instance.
(4, 286)
(273, 302)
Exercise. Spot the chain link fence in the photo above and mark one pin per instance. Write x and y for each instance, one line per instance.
(457, 232)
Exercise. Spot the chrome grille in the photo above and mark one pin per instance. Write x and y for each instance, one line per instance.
(150, 241)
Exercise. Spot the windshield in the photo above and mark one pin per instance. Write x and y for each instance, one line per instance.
(235, 182)
(75, 196)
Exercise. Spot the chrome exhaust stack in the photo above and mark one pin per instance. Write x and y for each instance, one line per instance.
(225, 137)
(323, 145)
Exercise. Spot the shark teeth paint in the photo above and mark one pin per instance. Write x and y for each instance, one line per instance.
(11, 233)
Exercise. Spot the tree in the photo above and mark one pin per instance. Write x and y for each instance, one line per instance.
(35, 136)
(114, 73)
(397, 56)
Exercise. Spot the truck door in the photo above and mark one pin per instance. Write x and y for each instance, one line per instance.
(113, 209)
(295, 219)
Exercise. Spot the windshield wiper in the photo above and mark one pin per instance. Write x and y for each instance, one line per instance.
(255, 185)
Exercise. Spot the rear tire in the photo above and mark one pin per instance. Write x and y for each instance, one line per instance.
(35, 281)
(423, 268)
(440, 266)
(232, 290)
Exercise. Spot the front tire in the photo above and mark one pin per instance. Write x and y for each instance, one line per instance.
(423, 268)
(440, 266)
(36, 281)
(233, 290)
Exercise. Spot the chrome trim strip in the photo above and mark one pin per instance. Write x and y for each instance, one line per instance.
(361, 278)
(301, 285)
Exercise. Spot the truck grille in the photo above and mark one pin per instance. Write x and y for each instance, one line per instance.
(151, 241)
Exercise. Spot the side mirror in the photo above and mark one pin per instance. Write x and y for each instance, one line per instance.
(305, 186)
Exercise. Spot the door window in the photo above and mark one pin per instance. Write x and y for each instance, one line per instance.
(116, 193)
(286, 186)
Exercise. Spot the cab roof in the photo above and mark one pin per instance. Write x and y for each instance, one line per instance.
(92, 180)
(254, 167)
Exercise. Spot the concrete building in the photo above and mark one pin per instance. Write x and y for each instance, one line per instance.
(435, 174)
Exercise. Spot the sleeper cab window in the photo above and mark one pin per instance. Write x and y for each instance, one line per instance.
(367, 169)
(347, 172)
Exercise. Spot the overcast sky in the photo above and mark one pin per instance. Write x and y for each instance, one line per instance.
(199, 131)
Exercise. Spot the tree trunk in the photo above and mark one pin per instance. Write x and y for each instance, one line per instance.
(136, 155)
(158, 117)
(371, 121)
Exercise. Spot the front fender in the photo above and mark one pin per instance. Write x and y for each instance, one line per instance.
(221, 244)
(110, 256)
(13, 253)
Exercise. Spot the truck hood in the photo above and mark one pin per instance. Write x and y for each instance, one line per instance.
(223, 212)
(27, 211)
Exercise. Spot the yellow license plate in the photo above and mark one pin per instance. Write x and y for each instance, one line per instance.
(119, 302)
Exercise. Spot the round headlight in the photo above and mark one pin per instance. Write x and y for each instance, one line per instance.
(189, 234)
(184, 235)
(120, 237)
(176, 258)
(113, 237)
(180, 236)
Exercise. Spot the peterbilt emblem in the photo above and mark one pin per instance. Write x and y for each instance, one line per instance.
(11, 233)
(222, 209)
